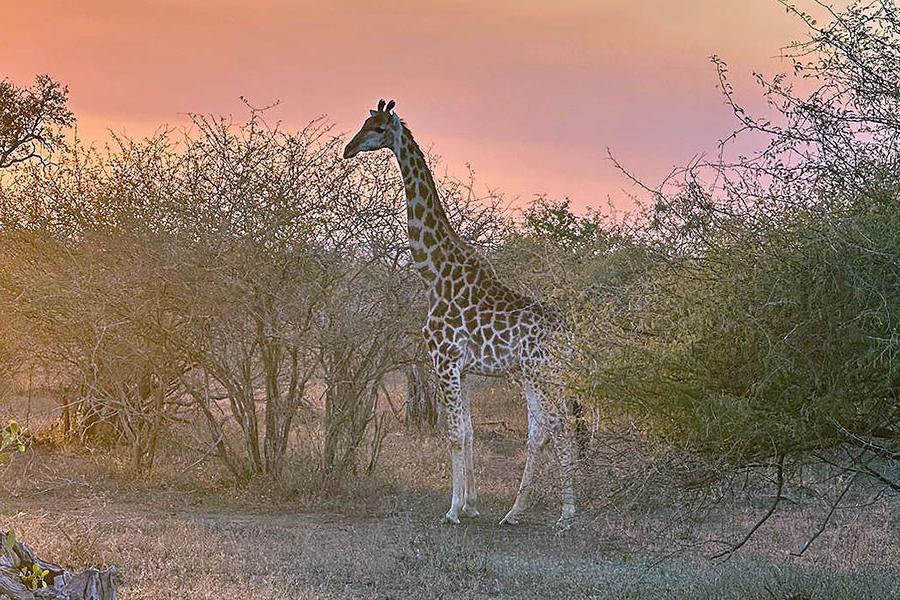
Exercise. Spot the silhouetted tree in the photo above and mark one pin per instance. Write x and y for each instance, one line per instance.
(32, 120)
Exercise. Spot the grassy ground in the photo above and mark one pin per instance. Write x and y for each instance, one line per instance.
(188, 532)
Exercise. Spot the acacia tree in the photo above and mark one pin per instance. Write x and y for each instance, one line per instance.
(89, 310)
(253, 280)
(159, 259)
(32, 120)
(32, 124)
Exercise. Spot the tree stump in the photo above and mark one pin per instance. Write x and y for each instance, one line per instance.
(61, 584)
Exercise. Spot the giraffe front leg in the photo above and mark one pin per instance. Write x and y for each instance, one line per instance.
(456, 431)
(458, 470)
(470, 503)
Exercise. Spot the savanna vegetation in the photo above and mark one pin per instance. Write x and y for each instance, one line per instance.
(212, 337)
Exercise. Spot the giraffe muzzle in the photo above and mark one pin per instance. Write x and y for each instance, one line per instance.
(355, 145)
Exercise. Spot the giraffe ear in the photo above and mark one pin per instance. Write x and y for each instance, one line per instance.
(389, 106)
(373, 113)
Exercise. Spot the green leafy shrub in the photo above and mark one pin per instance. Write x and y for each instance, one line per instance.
(779, 341)
(767, 323)
(12, 439)
(35, 578)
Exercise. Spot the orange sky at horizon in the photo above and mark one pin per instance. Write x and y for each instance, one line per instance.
(530, 93)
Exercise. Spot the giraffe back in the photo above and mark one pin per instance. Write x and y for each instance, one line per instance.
(488, 327)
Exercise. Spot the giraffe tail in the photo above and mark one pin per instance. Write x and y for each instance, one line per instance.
(582, 435)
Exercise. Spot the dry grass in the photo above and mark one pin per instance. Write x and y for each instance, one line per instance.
(190, 533)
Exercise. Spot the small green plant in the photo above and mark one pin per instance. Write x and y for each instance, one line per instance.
(12, 439)
(35, 578)
(9, 541)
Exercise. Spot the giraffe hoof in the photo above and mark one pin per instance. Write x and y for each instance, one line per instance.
(451, 519)
(509, 519)
(564, 523)
(470, 512)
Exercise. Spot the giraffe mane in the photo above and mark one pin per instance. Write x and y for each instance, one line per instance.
(406, 129)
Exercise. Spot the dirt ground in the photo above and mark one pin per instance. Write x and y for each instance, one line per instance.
(189, 532)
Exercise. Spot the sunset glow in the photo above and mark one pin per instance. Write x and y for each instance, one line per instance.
(530, 93)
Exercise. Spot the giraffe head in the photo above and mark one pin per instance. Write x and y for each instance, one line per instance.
(381, 130)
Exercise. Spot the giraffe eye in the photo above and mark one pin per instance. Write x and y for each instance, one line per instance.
(379, 130)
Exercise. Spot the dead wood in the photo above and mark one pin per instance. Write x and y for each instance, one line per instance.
(17, 560)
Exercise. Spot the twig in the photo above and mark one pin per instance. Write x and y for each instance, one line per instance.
(891, 484)
(827, 518)
(398, 413)
(779, 475)
(497, 422)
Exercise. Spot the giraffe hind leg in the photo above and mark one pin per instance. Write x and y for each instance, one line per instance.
(564, 444)
(470, 502)
(537, 439)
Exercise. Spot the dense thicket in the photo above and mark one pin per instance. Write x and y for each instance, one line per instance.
(213, 278)
(764, 330)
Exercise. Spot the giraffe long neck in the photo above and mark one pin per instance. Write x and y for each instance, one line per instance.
(431, 237)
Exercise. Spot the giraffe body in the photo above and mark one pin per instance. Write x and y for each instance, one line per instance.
(476, 325)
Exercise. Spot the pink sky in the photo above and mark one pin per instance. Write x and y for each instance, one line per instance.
(530, 93)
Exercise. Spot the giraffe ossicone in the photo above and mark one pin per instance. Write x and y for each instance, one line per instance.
(476, 325)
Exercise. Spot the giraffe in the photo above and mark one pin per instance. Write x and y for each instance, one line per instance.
(476, 325)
